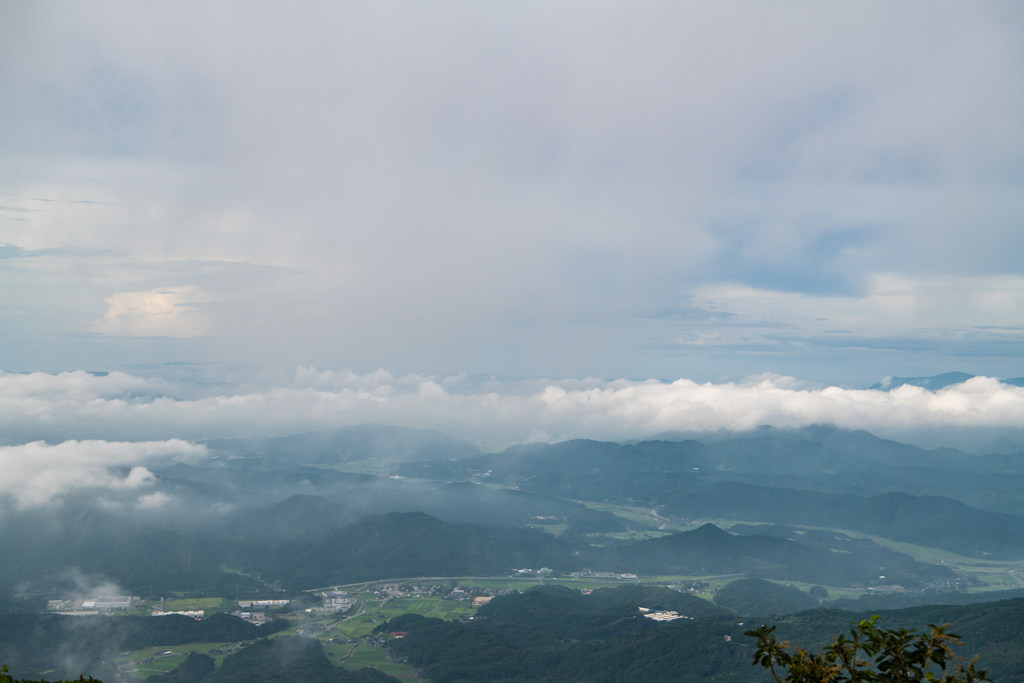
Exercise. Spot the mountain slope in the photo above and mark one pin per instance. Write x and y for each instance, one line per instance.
(629, 648)
(379, 443)
(710, 550)
(936, 382)
(400, 545)
(930, 521)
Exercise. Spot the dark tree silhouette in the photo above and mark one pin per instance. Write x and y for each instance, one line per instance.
(869, 655)
(5, 677)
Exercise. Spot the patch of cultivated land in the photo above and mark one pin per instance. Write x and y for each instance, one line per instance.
(192, 604)
(367, 655)
(164, 662)
(352, 647)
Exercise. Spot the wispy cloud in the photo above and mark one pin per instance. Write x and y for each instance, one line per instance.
(892, 309)
(11, 251)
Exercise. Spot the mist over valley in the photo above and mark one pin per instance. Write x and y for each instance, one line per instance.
(512, 342)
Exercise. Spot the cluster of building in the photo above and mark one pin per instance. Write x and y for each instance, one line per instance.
(602, 575)
(255, 604)
(112, 602)
(531, 572)
(458, 594)
(98, 605)
(196, 614)
(699, 586)
(390, 590)
(253, 617)
(662, 615)
(334, 601)
(253, 610)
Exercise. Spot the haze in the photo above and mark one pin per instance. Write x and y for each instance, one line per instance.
(507, 340)
(706, 191)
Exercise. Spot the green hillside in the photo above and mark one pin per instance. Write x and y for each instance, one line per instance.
(628, 647)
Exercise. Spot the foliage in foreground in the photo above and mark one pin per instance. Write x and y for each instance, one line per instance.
(889, 656)
(5, 677)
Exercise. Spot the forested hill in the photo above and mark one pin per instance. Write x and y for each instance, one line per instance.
(402, 545)
(286, 659)
(820, 458)
(358, 443)
(353, 496)
(321, 551)
(926, 520)
(710, 550)
(393, 545)
(603, 614)
(993, 630)
(32, 644)
(604, 638)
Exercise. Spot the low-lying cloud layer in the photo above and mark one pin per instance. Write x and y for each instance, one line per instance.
(78, 405)
(35, 473)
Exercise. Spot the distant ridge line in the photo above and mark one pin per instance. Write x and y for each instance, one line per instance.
(936, 382)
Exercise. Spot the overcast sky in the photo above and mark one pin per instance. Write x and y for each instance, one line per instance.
(699, 191)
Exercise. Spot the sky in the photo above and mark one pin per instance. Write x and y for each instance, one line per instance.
(217, 202)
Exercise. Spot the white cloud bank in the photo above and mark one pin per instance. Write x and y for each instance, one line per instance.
(120, 406)
(35, 473)
(79, 405)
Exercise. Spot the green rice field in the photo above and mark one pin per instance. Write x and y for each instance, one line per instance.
(164, 662)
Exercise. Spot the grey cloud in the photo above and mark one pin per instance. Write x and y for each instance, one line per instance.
(521, 188)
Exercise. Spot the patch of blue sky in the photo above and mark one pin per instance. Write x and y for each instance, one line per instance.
(12, 251)
(813, 262)
(945, 344)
